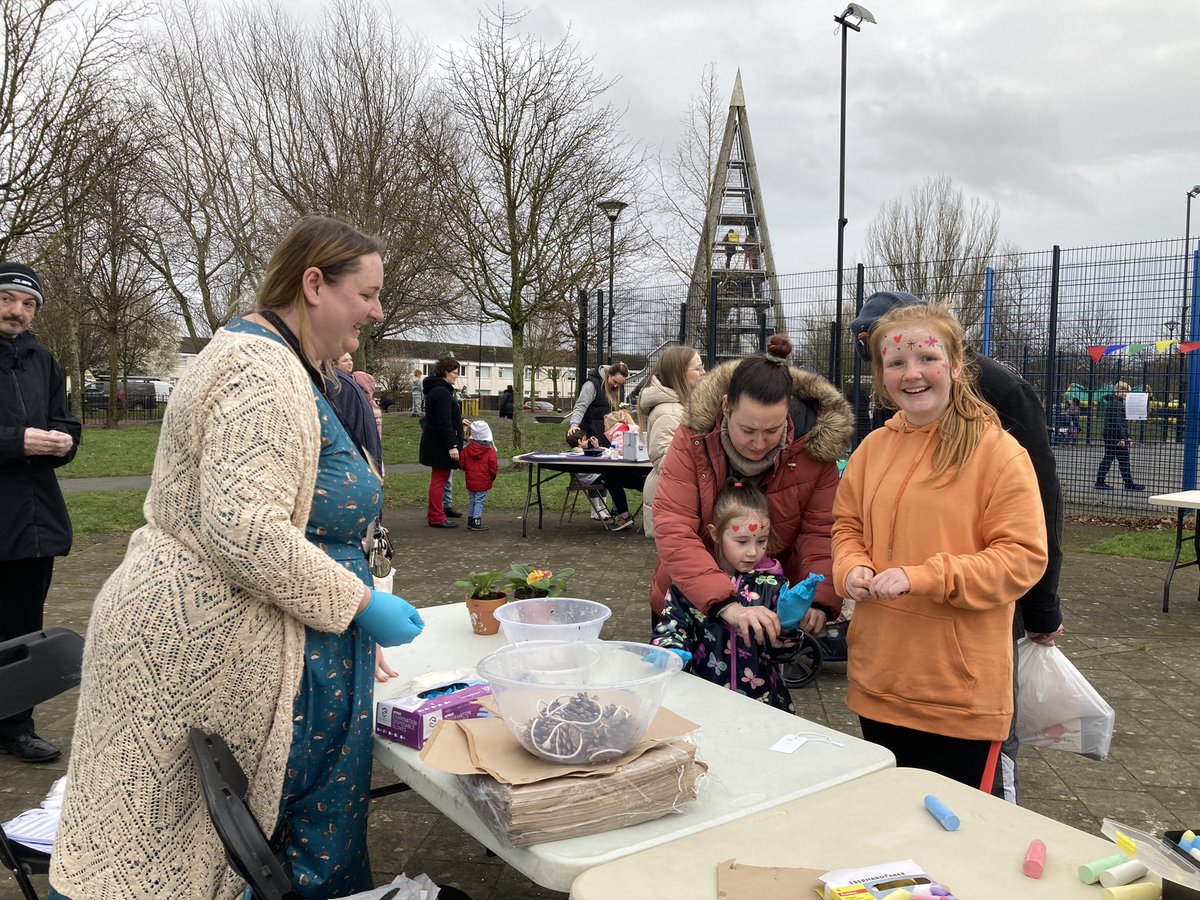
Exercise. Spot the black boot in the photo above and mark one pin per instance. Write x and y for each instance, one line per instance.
(476, 524)
(452, 513)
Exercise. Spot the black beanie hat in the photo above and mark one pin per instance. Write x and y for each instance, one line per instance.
(17, 277)
(877, 306)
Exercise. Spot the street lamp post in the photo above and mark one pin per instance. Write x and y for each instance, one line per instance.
(612, 209)
(1183, 319)
(862, 15)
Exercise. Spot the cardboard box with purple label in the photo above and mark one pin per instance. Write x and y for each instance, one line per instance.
(410, 719)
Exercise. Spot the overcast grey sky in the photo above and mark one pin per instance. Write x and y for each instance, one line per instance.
(1080, 118)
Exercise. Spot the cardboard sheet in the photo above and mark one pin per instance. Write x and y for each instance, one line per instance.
(487, 746)
(741, 882)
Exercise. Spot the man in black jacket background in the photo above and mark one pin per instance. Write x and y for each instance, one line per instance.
(37, 435)
(1038, 614)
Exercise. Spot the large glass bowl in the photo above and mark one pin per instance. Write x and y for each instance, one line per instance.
(579, 702)
(552, 619)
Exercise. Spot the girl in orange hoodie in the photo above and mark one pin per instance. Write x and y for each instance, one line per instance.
(938, 532)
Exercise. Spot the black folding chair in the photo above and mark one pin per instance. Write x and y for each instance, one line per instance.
(250, 854)
(34, 668)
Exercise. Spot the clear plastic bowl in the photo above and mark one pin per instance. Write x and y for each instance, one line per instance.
(579, 702)
(552, 619)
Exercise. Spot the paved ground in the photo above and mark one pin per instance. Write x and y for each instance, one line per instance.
(1142, 661)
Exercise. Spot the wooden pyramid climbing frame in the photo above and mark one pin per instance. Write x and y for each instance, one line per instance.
(735, 247)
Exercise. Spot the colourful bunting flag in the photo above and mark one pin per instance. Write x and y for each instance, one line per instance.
(1095, 353)
(1189, 346)
(1135, 349)
(1163, 346)
(1113, 348)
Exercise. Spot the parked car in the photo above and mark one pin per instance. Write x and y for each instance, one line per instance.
(140, 395)
(541, 406)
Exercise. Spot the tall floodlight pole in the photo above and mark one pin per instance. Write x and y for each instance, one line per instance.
(862, 14)
(612, 209)
(1183, 318)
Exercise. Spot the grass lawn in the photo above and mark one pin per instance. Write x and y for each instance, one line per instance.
(1157, 545)
(106, 512)
(128, 450)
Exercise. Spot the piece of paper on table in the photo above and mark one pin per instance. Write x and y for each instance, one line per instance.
(789, 743)
(742, 882)
(475, 746)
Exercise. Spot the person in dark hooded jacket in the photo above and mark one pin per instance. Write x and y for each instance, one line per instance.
(441, 439)
(37, 435)
(506, 403)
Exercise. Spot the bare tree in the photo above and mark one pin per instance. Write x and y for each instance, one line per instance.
(361, 136)
(1021, 303)
(53, 70)
(684, 179)
(535, 151)
(936, 244)
(202, 231)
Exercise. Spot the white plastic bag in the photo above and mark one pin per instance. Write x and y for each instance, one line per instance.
(385, 583)
(1057, 707)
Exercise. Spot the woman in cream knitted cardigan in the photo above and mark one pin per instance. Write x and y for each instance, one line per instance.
(224, 608)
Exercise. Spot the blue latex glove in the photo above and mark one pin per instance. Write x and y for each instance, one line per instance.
(682, 654)
(795, 601)
(390, 620)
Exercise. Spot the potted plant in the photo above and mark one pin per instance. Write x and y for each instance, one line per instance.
(527, 581)
(483, 599)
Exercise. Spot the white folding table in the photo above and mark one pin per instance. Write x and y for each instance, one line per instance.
(1182, 501)
(735, 733)
(872, 820)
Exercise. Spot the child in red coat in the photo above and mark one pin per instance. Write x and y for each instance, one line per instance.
(479, 464)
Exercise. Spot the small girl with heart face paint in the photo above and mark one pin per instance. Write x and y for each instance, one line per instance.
(711, 648)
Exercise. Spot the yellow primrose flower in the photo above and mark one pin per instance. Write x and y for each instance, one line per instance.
(538, 575)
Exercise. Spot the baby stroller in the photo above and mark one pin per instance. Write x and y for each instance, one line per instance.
(828, 646)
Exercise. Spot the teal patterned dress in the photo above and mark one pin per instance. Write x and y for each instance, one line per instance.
(327, 785)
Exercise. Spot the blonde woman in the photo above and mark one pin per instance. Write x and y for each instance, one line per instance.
(938, 532)
(662, 405)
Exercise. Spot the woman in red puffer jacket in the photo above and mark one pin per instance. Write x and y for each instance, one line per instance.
(780, 427)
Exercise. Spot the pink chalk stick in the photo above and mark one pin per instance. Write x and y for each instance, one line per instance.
(1035, 859)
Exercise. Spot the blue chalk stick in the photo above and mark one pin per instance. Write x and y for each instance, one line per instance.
(941, 812)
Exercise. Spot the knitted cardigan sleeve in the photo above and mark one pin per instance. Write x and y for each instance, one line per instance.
(260, 432)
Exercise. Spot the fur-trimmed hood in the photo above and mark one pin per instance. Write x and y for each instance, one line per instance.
(828, 437)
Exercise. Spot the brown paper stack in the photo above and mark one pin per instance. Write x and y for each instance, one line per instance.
(659, 781)
(527, 800)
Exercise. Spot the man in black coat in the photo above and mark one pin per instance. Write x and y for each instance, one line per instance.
(506, 403)
(37, 435)
(1116, 441)
(1038, 614)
